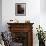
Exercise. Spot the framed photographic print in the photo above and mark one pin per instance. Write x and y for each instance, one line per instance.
(20, 9)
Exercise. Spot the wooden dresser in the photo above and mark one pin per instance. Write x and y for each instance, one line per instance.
(22, 33)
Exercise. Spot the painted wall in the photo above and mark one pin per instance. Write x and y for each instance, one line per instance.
(33, 13)
(0, 15)
(43, 14)
(43, 6)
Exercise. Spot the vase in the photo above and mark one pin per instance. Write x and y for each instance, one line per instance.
(41, 43)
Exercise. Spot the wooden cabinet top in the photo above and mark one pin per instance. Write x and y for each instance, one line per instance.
(20, 23)
(20, 27)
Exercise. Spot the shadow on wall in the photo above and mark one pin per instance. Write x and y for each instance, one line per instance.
(43, 6)
(0, 15)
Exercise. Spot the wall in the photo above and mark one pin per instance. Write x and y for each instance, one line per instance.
(43, 14)
(33, 13)
(43, 6)
(0, 15)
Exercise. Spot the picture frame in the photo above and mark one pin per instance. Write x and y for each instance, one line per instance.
(20, 9)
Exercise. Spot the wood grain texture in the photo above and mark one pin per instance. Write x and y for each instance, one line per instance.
(23, 27)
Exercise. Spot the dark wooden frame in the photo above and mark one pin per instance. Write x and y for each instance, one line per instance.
(23, 5)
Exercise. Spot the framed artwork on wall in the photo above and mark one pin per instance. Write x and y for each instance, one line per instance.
(20, 9)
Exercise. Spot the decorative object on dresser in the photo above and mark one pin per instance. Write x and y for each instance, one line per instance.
(13, 21)
(22, 33)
